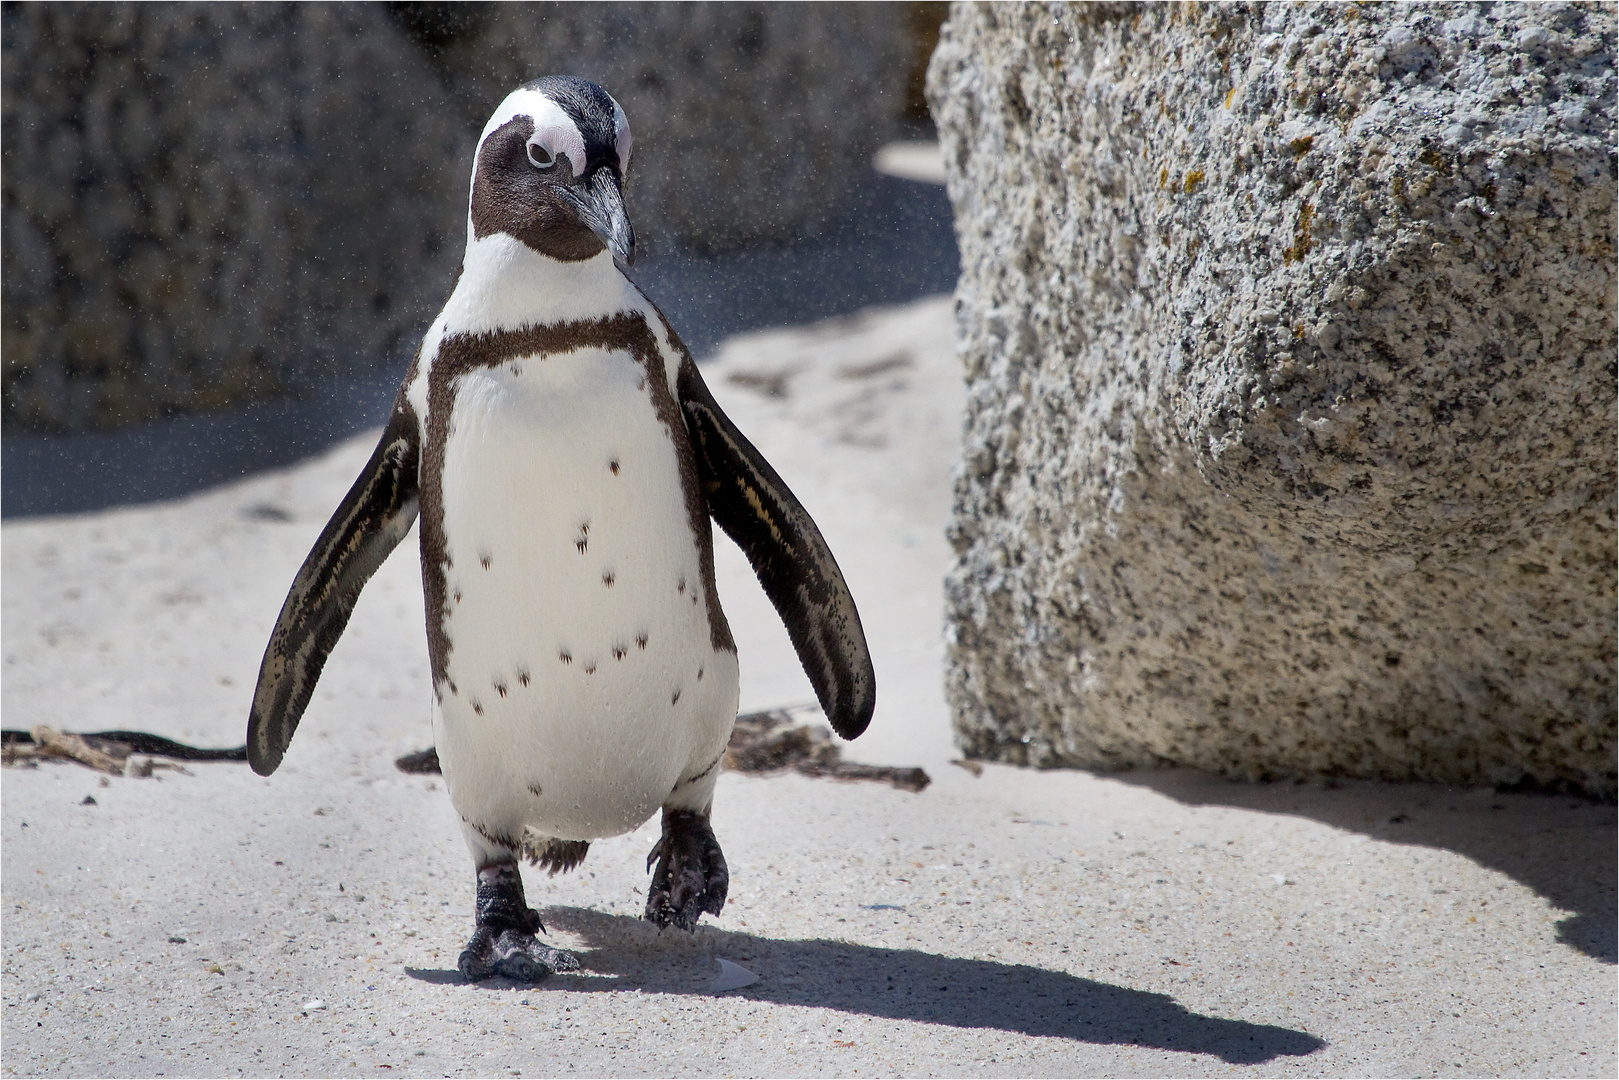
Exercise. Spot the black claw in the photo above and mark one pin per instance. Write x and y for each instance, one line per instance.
(475, 962)
(691, 876)
(504, 943)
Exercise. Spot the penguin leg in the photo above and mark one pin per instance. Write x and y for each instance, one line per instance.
(503, 942)
(690, 876)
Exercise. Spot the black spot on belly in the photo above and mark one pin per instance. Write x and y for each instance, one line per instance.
(640, 639)
(486, 558)
(534, 790)
(522, 674)
(477, 707)
(500, 688)
(590, 669)
(618, 652)
(517, 369)
(565, 656)
(674, 697)
(458, 596)
(608, 577)
(699, 674)
(582, 541)
(680, 587)
(613, 465)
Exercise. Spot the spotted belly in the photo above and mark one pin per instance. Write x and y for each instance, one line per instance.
(580, 682)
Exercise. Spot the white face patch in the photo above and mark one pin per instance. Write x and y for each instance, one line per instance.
(622, 140)
(555, 134)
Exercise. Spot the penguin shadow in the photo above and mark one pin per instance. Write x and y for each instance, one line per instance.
(618, 953)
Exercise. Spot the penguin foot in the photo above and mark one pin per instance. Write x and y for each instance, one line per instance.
(504, 942)
(690, 877)
(513, 954)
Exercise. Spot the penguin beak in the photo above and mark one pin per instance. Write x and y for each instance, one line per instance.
(601, 208)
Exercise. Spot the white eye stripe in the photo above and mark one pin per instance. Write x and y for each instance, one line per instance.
(553, 140)
(553, 129)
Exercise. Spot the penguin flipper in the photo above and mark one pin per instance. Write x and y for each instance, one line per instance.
(758, 511)
(374, 516)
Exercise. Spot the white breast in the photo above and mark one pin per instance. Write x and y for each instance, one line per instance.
(585, 682)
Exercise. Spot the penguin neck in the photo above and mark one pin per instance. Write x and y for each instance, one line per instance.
(506, 285)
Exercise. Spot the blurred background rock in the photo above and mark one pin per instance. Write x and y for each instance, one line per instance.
(212, 204)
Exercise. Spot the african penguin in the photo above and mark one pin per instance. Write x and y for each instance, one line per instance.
(565, 458)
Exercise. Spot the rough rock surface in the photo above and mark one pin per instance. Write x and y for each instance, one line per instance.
(1289, 332)
(206, 204)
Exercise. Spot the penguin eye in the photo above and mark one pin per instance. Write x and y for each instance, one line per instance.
(540, 157)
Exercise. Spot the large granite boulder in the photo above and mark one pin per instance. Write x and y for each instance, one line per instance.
(1290, 340)
(206, 204)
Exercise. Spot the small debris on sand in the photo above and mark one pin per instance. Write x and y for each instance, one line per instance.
(731, 977)
(109, 752)
(53, 743)
(773, 741)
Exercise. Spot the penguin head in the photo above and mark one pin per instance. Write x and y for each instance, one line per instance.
(550, 171)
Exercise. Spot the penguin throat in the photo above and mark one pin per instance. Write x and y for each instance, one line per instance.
(506, 285)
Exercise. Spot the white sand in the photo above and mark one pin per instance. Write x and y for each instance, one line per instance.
(1016, 923)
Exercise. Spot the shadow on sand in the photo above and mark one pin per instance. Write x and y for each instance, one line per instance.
(1561, 846)
(900, 984)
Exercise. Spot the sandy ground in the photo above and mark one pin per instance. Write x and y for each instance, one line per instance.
(1013, 923)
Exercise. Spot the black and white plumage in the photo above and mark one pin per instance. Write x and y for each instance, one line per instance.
(565, 458)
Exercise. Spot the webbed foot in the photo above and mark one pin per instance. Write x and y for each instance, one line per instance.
(513, 954)
(690, 877)
(504, 943)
